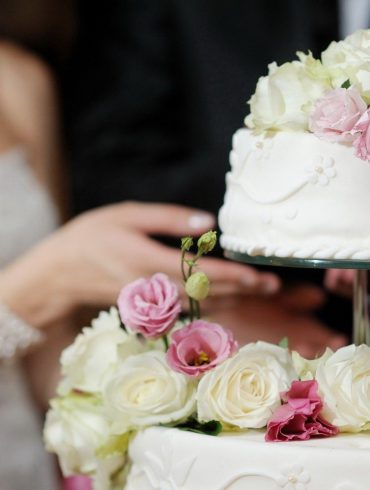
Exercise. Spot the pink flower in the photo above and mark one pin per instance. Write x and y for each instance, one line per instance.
(335, 115)
(362, 134)
(78, 482)
(299, 418)
(150, 306)
(199, 347)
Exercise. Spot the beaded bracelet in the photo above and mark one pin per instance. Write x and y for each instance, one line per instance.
(15, 334)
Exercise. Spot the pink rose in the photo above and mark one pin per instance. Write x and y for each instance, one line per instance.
(199, 347)
(150, 306)
(334, 115)
(299, 418)
(362, 136)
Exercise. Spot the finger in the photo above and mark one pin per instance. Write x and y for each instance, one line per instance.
(167, 219)
(340, 281)
(303, 297)
(244, 279)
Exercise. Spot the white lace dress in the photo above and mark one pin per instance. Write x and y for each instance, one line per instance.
(26, 216)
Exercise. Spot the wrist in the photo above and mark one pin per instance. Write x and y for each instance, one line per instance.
(30, 288)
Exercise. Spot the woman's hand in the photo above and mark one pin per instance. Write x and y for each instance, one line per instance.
(89, 259)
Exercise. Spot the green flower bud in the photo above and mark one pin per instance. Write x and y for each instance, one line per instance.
(207, 242)
(186, 243)
(197, 286)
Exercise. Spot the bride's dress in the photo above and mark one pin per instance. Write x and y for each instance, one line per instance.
(26, 216)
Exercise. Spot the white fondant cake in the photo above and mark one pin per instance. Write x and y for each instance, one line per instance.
(171, 459)
(291, 194)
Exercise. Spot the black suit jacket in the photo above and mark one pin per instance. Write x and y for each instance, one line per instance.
(156, 88)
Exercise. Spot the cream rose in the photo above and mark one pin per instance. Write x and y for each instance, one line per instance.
(283, 98)
(350, 60)
(96, 353)
(245, 390)
(78, 431)
(146, 391)
(306, 368)
(344, 384)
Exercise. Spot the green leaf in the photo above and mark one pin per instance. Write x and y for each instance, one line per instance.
(190, 262)
(284, 343)
(211, 428)
(346, 84)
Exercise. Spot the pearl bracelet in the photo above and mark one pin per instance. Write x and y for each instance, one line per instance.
(15, 334)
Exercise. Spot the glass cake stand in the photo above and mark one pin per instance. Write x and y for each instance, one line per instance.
(361, 328)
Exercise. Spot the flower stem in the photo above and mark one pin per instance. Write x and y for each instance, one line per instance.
(165, 341)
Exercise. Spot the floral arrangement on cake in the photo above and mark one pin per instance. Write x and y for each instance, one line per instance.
(144, 365)
(328, 97)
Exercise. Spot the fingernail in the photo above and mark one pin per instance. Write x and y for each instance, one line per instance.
(201, 221)
(270, 287)
(248, 281)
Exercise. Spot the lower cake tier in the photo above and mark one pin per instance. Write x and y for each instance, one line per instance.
(171, 459)
(290, 194)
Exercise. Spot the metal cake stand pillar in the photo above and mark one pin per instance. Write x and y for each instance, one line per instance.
(361, 333)
(361, 327)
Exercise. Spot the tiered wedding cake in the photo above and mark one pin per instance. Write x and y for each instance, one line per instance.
(300, 175)
(131, 398)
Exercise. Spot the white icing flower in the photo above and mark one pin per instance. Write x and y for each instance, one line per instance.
(321, 170)
(344, 384)
(76, 429)
(283, 98)
(350, 60)
(146, 391)
(96, 353)
(245, 390)
(294, 478)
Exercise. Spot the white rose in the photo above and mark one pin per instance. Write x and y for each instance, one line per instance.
(96, 352)
(306, 368)
(245, 390)
(344, 384)
(146, 391)
(108, 473)
(77, 430)
(350, 60)
(283, 98)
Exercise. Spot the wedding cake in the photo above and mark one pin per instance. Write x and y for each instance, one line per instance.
(300, 172)
(145, 392)
(172, 459)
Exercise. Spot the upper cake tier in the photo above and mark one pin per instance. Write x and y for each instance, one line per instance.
(299, 184)
(291, 194)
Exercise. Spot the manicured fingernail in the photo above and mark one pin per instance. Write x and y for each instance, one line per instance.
(201, 221)
(248, 281)
(270, 287)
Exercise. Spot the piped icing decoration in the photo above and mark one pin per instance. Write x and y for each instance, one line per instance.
(321, 170)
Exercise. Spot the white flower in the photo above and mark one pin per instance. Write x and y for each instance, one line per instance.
(294, 478)
(245, 390)
(77, 430)
(350, 60)
(321, 171)
(306, 368)
(96, 353)
(146, 391)
(283, 98)
(344, 384)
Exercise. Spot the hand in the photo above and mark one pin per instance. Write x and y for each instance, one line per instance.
(288, 314)
(340, 281)
(89, 260)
